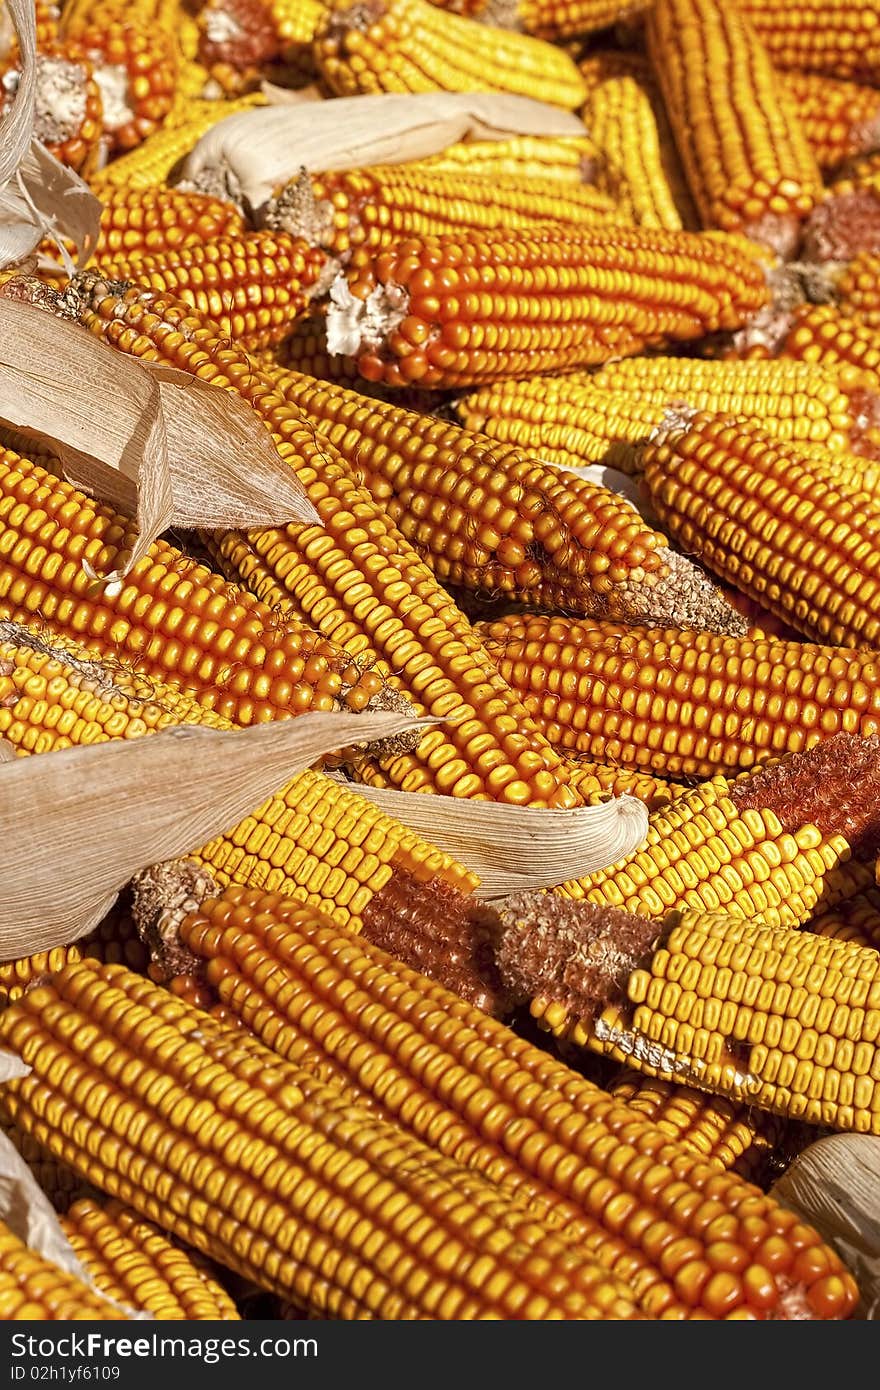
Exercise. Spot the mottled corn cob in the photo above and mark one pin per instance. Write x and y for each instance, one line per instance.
(250, 287)
(605, 416)
(567, 159)
(34, 1289)
(779, 845)
(257, 1163)
(840, 119)
(241, 41)
(152, 221)
(131, 1261)
(479, 307)
(374, 208)
(490, 518)
(773, 520)
(171, 618)
(679, 702)
(842, 342)
(813, 36)
(68, 115)
(746, 157)
(857, 919)
(412, 46)
(509, 1111)
(355, 574)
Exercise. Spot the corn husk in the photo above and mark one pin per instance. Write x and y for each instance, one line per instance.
(78, 823)
(258, 151)
(39, 196)
(834, 1184)
(514, 848)
(7, 752)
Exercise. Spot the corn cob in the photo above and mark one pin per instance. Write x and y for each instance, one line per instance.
(68, 117)
(132, 1262)
(857, 920)
(549, 19)
(605, 416)
(568, 159)
(411, 46)
(677, 702)
(478, 307)
(747, 160)
(856, 288)
(346, 1009)
(374, 208)
(257, 1163)
(60, 1183)
(813, 36)
(153, 221)
(241, 41)
(596, 782)
(859, 173)
(152, 163)
(488, 517)
(840, 119)
(115, 941)
(34, 1289)
(354, 575)
(772, 519)
(172, 618)
(250, 287)
(780, 844)
(305, 350)
(725, 1135)
(822, 333)
(638, 166)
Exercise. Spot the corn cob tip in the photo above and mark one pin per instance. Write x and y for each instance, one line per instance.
(161, 897)
(296, 210)
(238, 34)
(684, 597)
(769, 326)
(835, 786)
(354, 325)
(843, 226)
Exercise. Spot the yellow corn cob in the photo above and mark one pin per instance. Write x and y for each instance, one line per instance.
(115, 941)
(355, 575)
(411, 46)
(172, 618)
(305, 350)
(60, 1183)
(150, 221)
(604, 416)
(490, 518)
(856, 288)
(69, 111)
(840, 119)
(774, 521)
(779, 845)
(34, 1289)
(132, 1262)
(822, 333)
(723, 1134)
(678, 702)
(746, 157)
(549, 19)
(257, 1163)
(150, 165)
(858, 174)
(489, 1099)
(813, 36)
(481, 306)
(250, 287)
(638, 166)
(857, 919)
(567, 159)
(374, 208)
(596, 782)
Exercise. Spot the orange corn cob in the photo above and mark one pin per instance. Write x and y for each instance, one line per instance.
(354, 575)
(859, 173)
(304, 350)
(241, 41)
(411, 46)
(250, 287)
(488, 517)
(773, 520)
(840, 119)
(568, 159)
(549, 19)
(857, 919)
(32, 1288)
(856, 288)
(487, 1098)
(813, 36)
(153, 221)
(840, 341)
(68, 116)
(457, 312)
(746, 157)
(681, 703)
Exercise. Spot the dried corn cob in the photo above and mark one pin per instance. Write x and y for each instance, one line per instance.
(549, 19)
(115, 941)
(256, 1162)
(68, 117)
(857, 919)
(172, 618)
(813, 36)
(241, 41)
(478, 307)
(354, 575)
(725, 1135)
(346, 1009)
(596, 782)
(822, 333)
(374, 208)
(680, 702)
(747, 159)
(132, 1262)
(34, 1289)
(488, 517)
(638, 166)
(411, 46)
(779, 845)
(151, 221)
(568, 159)
(856, 288)
(60, 1183)
(840, 119)
(773, 520)
(250, 287)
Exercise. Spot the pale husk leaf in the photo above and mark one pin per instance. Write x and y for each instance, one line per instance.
(259, 151)
(7, 752)
(519, 847)
(834, 1184)
(106, 811)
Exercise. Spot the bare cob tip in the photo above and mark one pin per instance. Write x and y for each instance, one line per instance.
(161, 897)
(296, 210)
(835, 786)
(770, 325)
(685, 597)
